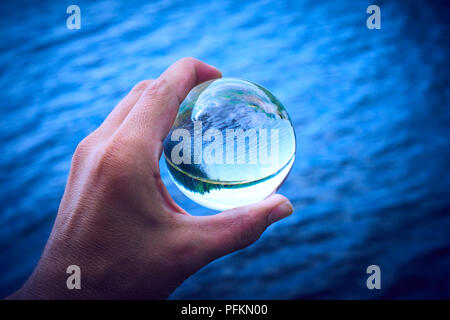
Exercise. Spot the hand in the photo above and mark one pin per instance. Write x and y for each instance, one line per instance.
(117, 221)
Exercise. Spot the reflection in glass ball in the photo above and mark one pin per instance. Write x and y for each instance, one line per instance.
(232, 144)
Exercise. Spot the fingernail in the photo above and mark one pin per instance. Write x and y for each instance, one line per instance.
(281, 211)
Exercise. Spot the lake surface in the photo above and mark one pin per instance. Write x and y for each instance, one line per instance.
(371, 110)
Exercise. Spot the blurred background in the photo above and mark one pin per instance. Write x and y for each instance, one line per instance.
(371, 110)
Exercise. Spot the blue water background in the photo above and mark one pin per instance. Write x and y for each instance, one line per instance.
(371, 110)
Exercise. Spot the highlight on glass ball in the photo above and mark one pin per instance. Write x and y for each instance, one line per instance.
(232, 144)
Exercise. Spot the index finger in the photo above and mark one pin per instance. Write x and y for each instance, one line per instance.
(155, 111)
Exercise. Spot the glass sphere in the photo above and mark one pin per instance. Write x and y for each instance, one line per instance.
(232, 144)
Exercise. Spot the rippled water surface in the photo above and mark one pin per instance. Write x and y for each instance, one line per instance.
(370, 109)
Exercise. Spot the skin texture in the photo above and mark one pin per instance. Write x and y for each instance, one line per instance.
(117, 221)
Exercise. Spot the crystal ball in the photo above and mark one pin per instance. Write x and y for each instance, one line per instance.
(232, 144)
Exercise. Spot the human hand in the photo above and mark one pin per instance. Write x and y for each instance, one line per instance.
(117, 221)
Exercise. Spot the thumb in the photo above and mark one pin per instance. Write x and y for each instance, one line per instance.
(237, 228)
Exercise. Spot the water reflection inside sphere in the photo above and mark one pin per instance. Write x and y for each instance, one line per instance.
(232, 144)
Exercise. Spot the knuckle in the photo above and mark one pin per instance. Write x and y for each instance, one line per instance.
(82, 146)
(250, 229)
(142, 85)
(113, 163)
(157, 89)
(188, 60)
(82, 150)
